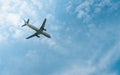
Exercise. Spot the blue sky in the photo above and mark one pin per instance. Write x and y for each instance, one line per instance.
(85, 37)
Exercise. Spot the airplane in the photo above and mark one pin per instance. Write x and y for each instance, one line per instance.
(38, 31)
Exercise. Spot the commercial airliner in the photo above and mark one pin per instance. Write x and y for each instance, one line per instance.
(38, 31)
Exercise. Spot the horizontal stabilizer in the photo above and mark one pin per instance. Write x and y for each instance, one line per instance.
(26, 22)
(23, 25)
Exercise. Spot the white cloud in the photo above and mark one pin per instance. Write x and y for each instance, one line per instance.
(87, 9)
(69, 6)
(13, 19)
(13, 12)
(38, 4)
(32, 55)
(18, 34)
(110, 57)
(2, 38)
(78, 70)
(101, 67)
(50, 42)
(84, 9)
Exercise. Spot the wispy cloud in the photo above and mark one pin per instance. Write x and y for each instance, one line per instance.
(3, 37)
(86, 10)
(25, 9)
(70, 51)
(101, 67)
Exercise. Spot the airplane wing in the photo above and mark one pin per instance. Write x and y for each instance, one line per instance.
(46, 34)
(43, 25)
(31, 36)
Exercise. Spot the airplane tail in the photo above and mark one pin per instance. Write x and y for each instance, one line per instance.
(26, 23)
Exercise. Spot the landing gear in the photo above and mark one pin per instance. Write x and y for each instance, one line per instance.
(38, 36)
(45, 30)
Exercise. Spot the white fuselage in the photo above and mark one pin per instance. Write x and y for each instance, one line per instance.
(38, 31)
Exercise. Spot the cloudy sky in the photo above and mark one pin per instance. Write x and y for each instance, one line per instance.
(85, 37)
